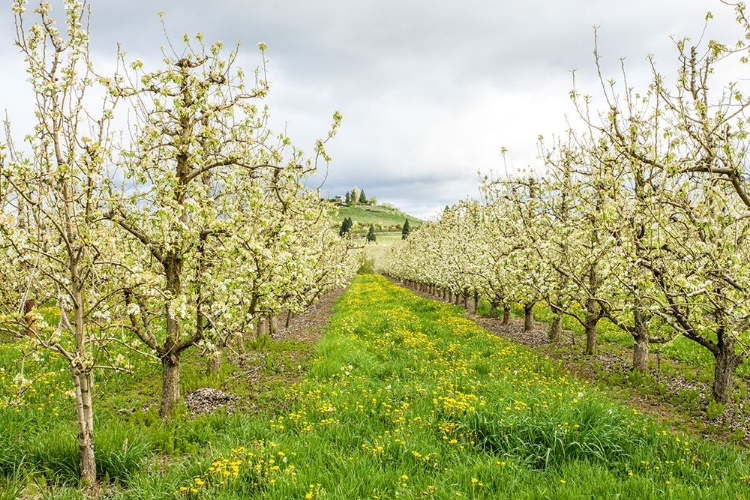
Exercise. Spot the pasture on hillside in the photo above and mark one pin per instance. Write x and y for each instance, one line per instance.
(379, 215)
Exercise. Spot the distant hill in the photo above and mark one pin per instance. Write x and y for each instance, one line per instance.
(384, 218)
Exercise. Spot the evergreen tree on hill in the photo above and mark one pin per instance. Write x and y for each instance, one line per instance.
(371, 234)
(405, 230)
(346, 225)
(362, 197)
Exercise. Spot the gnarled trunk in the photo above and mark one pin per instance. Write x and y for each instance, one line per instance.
(506, 315)
(476, 301)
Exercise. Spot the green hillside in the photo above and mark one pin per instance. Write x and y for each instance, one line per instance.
(384, 218)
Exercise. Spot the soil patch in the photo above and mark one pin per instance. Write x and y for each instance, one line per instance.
(310, 325)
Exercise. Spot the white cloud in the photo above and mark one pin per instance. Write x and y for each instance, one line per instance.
(431, 90)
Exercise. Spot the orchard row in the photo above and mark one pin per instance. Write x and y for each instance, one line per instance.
(184, 229)
(641, 216)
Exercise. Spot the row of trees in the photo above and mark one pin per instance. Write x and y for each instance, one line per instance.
(187, 232)
(642, 216)
(346, 230)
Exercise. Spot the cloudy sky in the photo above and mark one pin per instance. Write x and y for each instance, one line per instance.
(430, 90)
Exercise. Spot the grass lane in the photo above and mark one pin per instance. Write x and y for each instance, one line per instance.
(407, 399)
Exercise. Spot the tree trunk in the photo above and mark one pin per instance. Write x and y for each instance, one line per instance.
(170, 384)
(640, 336)
(493, 310)
(528, 317)
(640, 353)
(506, 315)
(466, 298)
(476, 302)
(170, 360)
(555, 330)
(591, 319)
(28, 313)
(213, 364)
(83, 381)
(271, 325)
(590, 338)
(85, 417)
(288, 318)
(726, 364)
(241, 344)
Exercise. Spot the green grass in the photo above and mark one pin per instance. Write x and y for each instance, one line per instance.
(384, 218)
(403, 398)
(679, 358)
(406, 398)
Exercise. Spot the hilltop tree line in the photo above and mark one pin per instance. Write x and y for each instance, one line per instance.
(642, 216)
(357, 196)
(189, 235)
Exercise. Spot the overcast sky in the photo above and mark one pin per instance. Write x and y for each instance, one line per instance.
(430, 90)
